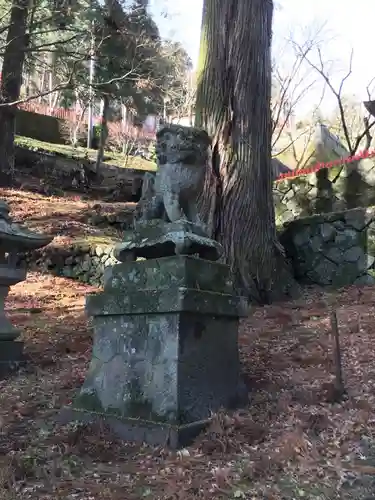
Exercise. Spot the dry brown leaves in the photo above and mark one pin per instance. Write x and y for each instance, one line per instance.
(290, 442)
(65, 217)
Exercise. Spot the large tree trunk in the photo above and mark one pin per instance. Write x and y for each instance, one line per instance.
(233, 105)
(11, 81)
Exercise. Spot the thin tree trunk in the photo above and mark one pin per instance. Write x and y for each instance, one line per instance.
(31, 65)
(124, 113)
(50, 87)
(233, 105)
(53, 96)
(339, 387)
(103, 133)
(56, 99)
(43, 79)
(11, 81)
(78, 121)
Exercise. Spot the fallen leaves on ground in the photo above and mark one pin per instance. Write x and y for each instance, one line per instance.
(290, 441)
(67, 217)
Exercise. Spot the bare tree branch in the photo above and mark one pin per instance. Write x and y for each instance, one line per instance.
(320, 69)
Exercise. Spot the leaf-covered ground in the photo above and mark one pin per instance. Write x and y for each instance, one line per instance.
(112, 158)
(67, 217)
(290, 442)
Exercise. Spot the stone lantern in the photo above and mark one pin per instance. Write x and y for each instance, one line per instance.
(14, 239)
(370, 107)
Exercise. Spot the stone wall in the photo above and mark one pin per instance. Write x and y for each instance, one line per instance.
(334, 249)
(83, 263)
(60, 170)
(119, 219)
(326, 191)
(41, 127)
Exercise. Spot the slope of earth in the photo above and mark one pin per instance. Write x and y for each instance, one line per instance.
(112, 158)
(65, 217)
(290, 442)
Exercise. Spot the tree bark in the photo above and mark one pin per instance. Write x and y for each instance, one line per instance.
(233, 105)
(11, 81)
(31, 73)
(103, 133)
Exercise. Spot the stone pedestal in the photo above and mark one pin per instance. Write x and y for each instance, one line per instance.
(11, 350)
(7, 331)
(155, 239)
(165, 352)
(11, 356)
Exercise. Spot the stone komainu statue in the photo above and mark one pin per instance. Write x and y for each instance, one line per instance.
(171, 195)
